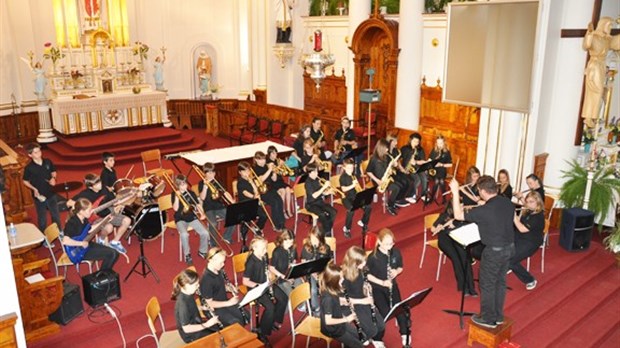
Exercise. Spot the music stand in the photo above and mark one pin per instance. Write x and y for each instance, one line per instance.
(404, 307)
(362, 199)
(242, 212)
(306, 268)
(356, 154)
(146, 266)
(465, 236)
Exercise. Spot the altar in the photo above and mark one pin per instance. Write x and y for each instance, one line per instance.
(109, 111)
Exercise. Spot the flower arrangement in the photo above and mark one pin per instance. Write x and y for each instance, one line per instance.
(133, 71)
(75, 74)
(215, 88)
(140, 49)
(52, 53)
(588, 137)
(614, 129)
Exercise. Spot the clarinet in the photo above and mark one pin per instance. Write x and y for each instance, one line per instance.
(389, 270)
(373, 309)
(272, 297)
(360, 333)
(211, 313)
(235, 292)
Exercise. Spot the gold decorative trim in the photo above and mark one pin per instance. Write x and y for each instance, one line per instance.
(65, 123)
(149, 115)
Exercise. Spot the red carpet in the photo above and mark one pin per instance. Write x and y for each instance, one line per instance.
(576, 303)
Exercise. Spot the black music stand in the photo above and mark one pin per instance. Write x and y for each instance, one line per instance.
(242, 212)
(404, 307)
(307, 268)
(362, 199)
(356, 154)
(465, 244)
(146, 266)
(424, 167)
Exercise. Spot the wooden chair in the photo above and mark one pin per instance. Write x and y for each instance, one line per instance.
(52, 233)
(433, 243)
(310, 326)
(300, 193)
(238, 263)
(270, 248)
(237, 131)
(151, 156)
(543, 246)
(276, 132)
(167, 339)
(331, 241)
(335, 182)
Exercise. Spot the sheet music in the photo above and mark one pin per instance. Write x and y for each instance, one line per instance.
(254, 293)
(405, 300)
(466, 235)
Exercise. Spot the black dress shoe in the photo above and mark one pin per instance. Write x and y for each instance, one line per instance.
(391, 211)
(471, 293)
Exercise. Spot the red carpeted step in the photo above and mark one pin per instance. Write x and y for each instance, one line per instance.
(612, 337)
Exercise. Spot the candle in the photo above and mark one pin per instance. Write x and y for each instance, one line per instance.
(318, 36)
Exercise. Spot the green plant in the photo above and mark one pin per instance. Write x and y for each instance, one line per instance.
(605, 186)
(588, 137)
(612, 242)
(52, 53)
(332, 7)
(392, 6)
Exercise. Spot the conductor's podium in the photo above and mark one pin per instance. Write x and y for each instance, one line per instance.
(490, 338)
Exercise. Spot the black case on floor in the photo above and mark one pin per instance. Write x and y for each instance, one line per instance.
(101, 287)
(71, 305)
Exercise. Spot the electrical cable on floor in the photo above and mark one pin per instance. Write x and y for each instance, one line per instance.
(118, 322)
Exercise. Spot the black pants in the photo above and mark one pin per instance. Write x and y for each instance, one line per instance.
(372, 330)
(350, 338)
(396, 192)
(420, 179)
(461, 263)
(326, 214)
(493, 268)
(382, 301)
(260, 222)
(273, 312)
(51, 204)
(439, 183)
(273, 199)
(349, 220)
(231, 315)
(107, 255)
(406, 184)
(524, 249)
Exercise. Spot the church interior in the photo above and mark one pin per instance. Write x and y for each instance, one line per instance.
(525, 87)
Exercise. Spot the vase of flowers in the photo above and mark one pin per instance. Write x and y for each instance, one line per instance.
(52, 53)
(612, 136)
(141, 49)
(588, 139)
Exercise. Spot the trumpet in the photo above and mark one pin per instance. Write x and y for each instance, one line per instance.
(332, 188)
(215, 194)
(282, 169)
(261, 186)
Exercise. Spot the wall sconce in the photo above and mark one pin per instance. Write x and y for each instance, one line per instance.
(284, 52)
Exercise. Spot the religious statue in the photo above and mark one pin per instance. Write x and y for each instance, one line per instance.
(39, 80)
(204, 73)
(284, 20)
(158, 70)
(597, 42)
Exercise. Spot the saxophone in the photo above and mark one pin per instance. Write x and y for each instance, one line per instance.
(358, 325)
(387, 176)
(410, 168)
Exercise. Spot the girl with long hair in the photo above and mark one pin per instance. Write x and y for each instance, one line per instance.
(314, 247)
(441, 153)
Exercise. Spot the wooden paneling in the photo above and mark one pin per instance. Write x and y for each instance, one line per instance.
(329, 99)
(19, 128)
(188, 113)
(7, 330)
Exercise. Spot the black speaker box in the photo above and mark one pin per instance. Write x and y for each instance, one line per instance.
(101, 287)
(71, 305)
(576, 229)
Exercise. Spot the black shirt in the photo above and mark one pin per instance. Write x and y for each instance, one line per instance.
(212, 286)
(108, 177)
(298, 145)
(535, 223)
(180, 215)
(407, 152)
(244, 185)
(541, 192)
(355, 288)
(255, 269)
(506, 193)
(377, 167)
(494, 220)
(305, 159)
(186, 312)
(377, 263)
(349, 135)
(39, 175)
(74, 226)
(209, 203)
(312, 185)
(347, 180)
(281, 258)
(316, 135)
(93, 196)
(444, 157)
(472, 190)
(330, 305)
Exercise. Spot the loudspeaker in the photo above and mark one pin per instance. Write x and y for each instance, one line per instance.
(101, 287)
(71, 305)
(576, 229)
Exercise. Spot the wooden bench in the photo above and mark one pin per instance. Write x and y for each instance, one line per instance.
(490, 337)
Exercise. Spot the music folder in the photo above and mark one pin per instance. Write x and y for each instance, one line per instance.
(237, 213)
(466, 234)
(306, 268)
(426, 166)
(363, 198)
(413, 300)
(254, 294)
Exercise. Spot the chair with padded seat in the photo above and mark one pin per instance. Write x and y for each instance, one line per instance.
(276, 132)
(237, 131)
(433, 243)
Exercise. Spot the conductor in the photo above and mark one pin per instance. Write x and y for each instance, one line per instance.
(494, 220)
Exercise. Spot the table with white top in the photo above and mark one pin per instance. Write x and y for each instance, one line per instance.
(27, 238)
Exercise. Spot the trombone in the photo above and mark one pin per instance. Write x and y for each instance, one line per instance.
(215, 193)
(262, 189)
(195, 207)
(331, 188)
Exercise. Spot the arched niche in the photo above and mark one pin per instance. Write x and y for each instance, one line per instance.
(375, 45)
(212, 53)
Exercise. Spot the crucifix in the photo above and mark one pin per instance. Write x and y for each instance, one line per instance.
(575, 33)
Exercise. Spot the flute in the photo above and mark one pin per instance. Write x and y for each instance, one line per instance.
(358, 325)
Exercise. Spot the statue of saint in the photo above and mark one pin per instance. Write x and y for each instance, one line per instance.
(284, 20)
(203, 66)
(597, 42)
(158, 73)
(39, 80)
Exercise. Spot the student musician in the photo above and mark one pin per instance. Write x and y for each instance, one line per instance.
(314, 199)
(344, 140)
(108, 173)
(334, 323)
(379, 162)
(78, 220)
(186, 311)
(213, 288)
(529, 226)
(349, 185)
(315, 247)
(385, 263)
(534, 184)
(318, 139)
(356, 284)
(461, 263)
(187, 213)
(298, 145)
(95, 193)
(310, 156)
(469, 191)
(278, 182)
(271, 197)
(442, 153)
(284, 255)
(503, 181)
(246, 190)
(214, 208)
(274, 300)
(413, 156)
(401, 177)
(40, 177)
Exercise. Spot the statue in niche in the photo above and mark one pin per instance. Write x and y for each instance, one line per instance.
(597, 42)
(284, 20)
(204, 67)
(158, 72)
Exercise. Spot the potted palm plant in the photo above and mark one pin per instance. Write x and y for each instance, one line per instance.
(612, 242)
